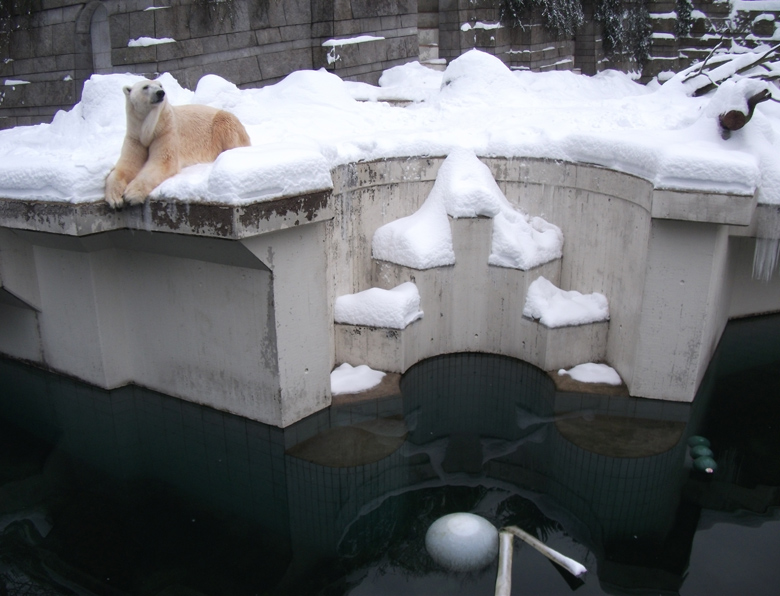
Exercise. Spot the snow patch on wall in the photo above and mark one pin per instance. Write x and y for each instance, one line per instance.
(591, 372)
(554, 307)
(375, 307)
(465, 187)
(354, 379)
(143, 42)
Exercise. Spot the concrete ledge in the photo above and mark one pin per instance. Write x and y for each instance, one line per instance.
(564, 347)
(201, 219)
(705, 207)
(232, 306)
(763, 224)
(395, 351)
(381, 349)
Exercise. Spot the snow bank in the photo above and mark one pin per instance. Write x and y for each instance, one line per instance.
(250, 174)
(375, 307)
(465, 187)
(661, 133)
(354, 379)
(590, 372)
(554, 307)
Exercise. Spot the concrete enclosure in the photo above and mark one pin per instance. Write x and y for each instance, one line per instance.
(232, 307)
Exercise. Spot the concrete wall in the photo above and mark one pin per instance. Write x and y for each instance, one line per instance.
(233, 308)
(748, 295)
(197, 318)
(665, 268)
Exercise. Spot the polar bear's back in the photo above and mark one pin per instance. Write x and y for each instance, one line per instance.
(205, 132)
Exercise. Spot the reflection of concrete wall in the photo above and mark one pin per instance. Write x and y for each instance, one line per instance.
(607, 502)
(324, 501)
(617, 496)
(216, 459)
(474, 393)
(241, 466)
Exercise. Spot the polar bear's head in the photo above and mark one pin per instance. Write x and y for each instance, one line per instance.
(146, 102)
(144, 96)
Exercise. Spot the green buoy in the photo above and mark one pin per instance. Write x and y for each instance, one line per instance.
(705, 464)
(698, 440)
(700, 451)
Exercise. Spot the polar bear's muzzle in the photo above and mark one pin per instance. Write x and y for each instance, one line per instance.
(158, 96)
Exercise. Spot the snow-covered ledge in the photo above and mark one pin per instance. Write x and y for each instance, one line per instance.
(232, 306)
(216, 220)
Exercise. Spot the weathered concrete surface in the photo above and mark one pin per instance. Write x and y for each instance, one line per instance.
(194, 316)
(623, 238)
(199, 219)
(303, 321)
(233, 306)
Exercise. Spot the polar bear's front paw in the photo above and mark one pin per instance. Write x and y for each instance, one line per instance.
(114, 190)
(114, 202)
(135, 194)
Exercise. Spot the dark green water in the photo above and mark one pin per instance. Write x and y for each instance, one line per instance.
(132, 492)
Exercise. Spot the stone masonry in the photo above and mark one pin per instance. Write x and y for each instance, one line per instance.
(47, 56)
(250, 43)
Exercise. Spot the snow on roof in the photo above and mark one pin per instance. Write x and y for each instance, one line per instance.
(312, 121)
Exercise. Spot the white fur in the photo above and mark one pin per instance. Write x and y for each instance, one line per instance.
(162, 139)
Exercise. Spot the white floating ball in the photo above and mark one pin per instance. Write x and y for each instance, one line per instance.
(462, 542)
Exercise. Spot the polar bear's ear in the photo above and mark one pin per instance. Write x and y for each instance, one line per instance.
(127, 89)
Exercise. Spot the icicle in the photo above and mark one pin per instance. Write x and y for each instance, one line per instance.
(767, 251)
(765, 258)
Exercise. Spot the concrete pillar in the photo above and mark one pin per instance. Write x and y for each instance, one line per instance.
(684, 308)
(303, 316)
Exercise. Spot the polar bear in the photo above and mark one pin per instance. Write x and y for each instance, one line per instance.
(161, 139)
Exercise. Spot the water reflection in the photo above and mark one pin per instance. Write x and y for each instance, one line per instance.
(132, 492)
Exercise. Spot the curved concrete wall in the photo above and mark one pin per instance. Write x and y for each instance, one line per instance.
(661, 257)
(472, 306)
(233, 306)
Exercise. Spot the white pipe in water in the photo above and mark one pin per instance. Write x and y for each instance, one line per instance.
(504, 577)
(569, 564)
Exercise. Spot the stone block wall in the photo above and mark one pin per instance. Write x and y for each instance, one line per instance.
(359, 39)
(248, 42)
(39, 64)
(713, 21)
(48, 55)
(469, 24)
